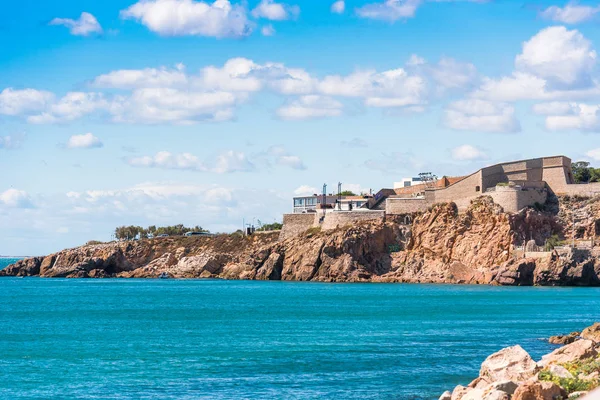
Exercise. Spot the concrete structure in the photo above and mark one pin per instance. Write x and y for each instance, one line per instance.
(295, 224)
(303, 204)
(407, 182)
(513, 185)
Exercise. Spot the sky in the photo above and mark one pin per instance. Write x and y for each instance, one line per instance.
(159, 112)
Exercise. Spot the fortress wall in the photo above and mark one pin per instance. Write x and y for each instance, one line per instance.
(585, 189)
(394, 206)
(342, 218)
(557, 178)
(460, 193)
(514, 200)
(295, 224)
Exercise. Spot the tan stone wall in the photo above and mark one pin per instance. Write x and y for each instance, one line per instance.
(295, 224)
(514, 200)
(461, 193)
(394, 206)
(343, 218)
(589, 189)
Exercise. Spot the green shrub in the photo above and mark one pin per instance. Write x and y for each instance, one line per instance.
(93, 242)
(552, 242)
(313, 231)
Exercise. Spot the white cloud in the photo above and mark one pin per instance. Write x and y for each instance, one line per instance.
(389, 10)
(11, 142)
(270, 9)
(227, 162)
(84, 26)
(583, 117)
(17, 102)
(312, 106)
(479, 115)
(594, 154)
(572, 13)
(15, 198)
(84, 141)
(305, 190)
(565, 59)
(149, 77)
(219, 19)
(72, 106)
(555, 108)
(161, 105)
(467, 152)
(338, 7)
(267, 30)
(355, 142)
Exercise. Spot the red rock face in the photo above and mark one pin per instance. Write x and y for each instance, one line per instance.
(439, 246)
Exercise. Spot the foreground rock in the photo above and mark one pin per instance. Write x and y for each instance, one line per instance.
(569, 372)
(439, 246)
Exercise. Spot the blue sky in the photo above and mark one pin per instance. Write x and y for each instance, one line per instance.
(201, 112)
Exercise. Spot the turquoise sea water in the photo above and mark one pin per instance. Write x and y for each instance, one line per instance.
(172, 339)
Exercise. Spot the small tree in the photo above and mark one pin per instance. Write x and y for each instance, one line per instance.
(347, 193)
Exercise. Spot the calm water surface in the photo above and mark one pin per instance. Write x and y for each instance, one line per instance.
(169, 339)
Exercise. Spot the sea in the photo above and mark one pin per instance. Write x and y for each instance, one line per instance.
(214, 339)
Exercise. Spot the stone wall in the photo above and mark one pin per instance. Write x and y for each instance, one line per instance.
(295, 224)
(395, 205)
(343, 218)
(461, 193)
(513, 200)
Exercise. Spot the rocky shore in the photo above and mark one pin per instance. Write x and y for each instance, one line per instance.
(437, 246)
(569, 372)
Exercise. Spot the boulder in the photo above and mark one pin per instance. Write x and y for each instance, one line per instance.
(474, 394)
(539, 391)
(592, 333)
(446, 395)
(509, 364)
(508, 387)
(564, 339)
(560, 371)
(578, 350)
(459, 392)
(496, 395)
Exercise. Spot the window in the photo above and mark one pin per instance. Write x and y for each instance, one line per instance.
(312, 201)
(478, 188)
(298, 202)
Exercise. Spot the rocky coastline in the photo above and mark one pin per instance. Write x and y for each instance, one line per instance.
(479, 246)
(571, 371)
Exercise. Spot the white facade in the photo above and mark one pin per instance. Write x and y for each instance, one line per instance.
(406, 182)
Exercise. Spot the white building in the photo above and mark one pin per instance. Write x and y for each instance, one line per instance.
(406, 182)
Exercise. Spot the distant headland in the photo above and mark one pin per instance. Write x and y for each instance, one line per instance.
(528, 222)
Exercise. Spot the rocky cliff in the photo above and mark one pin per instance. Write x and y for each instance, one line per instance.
(440, 245)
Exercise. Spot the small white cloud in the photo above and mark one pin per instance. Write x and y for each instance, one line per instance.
(355, 142)
(594, 154)
(270, 9)
(84, 26)
(582, 117)
(554, 108)
(305, 190)
(149, 77)
(85, 141)
(467, 152)
(338, 7)
(220, 19)
(389, 10)
(18, 102)
(72, 106)
(268, 30)
(572, 13)
(15, 198)
(11, 142)
(312, 106)
(479, 115)
(227, 162)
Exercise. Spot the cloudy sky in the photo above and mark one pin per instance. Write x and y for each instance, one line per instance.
(200, 112)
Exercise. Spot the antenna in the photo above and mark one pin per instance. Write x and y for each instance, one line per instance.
(339, 196)
(324, 197)
(428, 179)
